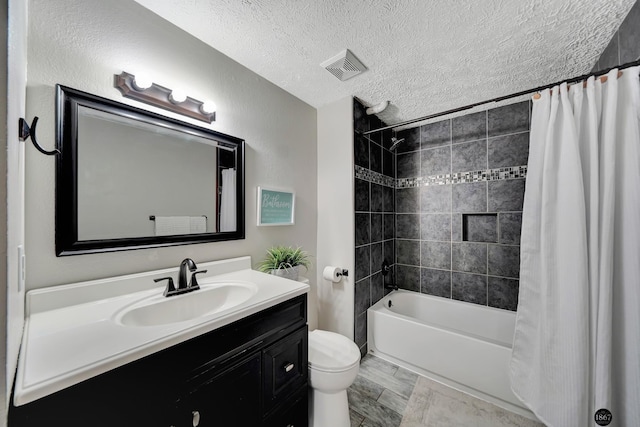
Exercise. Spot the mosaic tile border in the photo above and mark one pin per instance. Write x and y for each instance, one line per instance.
(513, 172)
(375, 177)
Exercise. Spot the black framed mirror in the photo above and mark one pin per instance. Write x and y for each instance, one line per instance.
(132, 179)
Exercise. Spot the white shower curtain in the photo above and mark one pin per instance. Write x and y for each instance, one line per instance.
(577, 342)
(228, 201)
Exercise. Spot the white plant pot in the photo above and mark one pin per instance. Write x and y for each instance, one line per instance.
(288, 273)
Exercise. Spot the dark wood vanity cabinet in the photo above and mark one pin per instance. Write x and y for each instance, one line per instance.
(253, 372)
(227, 398)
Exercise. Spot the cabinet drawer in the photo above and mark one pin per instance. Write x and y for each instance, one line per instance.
(294, 414)
(208, 351)
(285, 366)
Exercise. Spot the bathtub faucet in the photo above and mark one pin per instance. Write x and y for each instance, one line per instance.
(386, 269)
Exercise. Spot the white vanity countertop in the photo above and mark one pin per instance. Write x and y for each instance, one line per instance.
(70, 333)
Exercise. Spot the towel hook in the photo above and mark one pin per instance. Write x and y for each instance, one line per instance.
(25, 131)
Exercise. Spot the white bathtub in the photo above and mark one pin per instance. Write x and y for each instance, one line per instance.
(462, 345)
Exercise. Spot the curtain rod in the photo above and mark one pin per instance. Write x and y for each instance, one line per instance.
(503, 98)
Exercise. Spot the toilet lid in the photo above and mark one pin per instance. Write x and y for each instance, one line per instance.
(329, 351)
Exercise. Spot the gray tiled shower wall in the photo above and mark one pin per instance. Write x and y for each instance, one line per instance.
(458, 239)
(452, 227)
(374, 215)
(625, 44)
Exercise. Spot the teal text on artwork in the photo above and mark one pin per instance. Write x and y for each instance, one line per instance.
(276, 207)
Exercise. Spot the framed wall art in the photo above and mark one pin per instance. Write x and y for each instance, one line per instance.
(275, 206)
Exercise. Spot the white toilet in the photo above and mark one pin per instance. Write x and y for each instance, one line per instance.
(334, 361)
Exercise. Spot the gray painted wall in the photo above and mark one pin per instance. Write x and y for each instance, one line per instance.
(16, 70)
(335, 215)
(82, 44)
(3, 216)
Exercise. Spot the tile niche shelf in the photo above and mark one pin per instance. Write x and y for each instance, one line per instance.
(480, 227)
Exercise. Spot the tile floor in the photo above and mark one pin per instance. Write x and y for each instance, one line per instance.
(385, 395)
(380, 393)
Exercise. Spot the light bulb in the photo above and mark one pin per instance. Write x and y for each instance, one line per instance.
(177, 96)
(208, 107)
(142, 82)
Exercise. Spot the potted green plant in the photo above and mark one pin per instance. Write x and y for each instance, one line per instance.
(284, 261)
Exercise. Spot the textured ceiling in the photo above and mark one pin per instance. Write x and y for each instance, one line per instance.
(423, 56)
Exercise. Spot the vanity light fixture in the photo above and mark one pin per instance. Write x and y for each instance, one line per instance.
(142, 82)
(177, 96)
(173, 100)
(208, 107)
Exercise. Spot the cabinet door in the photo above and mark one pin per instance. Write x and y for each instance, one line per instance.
(230, 398)
(135, 395)
(294, 412)
(285, 367)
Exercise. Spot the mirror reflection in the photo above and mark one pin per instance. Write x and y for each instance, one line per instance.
(143, 179)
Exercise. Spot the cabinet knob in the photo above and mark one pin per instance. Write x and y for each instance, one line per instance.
(288, 367)
(196, 418)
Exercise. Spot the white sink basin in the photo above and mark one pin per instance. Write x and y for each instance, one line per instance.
(209, 299)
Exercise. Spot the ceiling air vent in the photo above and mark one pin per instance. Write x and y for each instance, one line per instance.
(344, 65)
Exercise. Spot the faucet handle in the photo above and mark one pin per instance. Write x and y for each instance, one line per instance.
(170, 289)
(194, 282)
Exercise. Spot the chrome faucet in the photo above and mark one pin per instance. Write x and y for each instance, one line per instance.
(183, 285)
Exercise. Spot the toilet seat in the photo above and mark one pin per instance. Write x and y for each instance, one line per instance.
(332, 352)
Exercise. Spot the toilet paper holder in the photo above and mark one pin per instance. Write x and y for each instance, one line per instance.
(334, 274)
